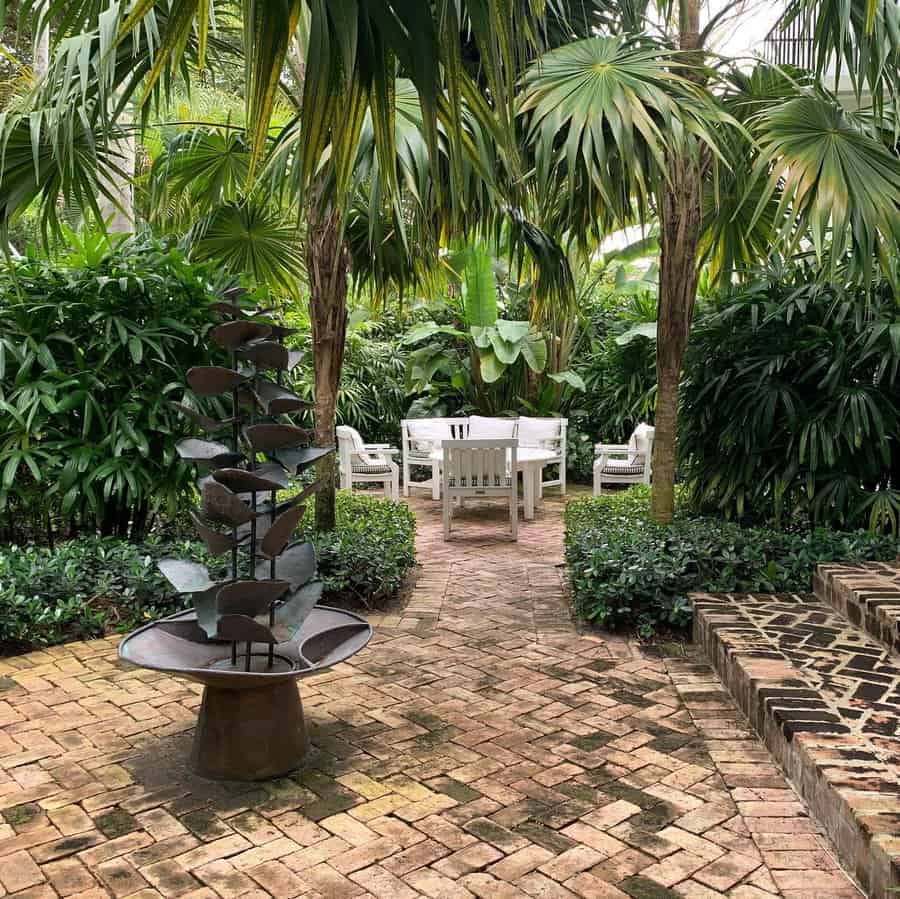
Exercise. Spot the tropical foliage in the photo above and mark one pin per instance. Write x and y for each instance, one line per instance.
(93, 351)
(89, 586)
(627, 571)
(792, 401)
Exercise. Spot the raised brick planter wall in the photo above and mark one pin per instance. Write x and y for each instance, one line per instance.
(866, 595)
(826, 700)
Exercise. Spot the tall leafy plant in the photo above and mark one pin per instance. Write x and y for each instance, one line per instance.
(792, 401)
(469, 343)
(90, 358)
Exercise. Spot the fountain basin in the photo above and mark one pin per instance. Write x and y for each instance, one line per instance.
(250, 725)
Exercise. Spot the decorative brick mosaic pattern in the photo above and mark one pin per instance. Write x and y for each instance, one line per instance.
(481, 747)
(866, 595)
(826, 698)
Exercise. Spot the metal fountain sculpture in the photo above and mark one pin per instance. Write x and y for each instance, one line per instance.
(249, 636)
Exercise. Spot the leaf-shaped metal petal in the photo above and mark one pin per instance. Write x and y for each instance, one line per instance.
(241, 629)
(247, 398)
(189, 630)
(205, 608)
(206, 452)
(220, 504)
(271, 354)
(266, 477)
(266, 354)
(185, 576)
(268, 437)
(290, 615)
(297, 564)
(233, 335)
(297, 460)
(212, 380)
(276, 400)
(216, 542)
(280, 532)
(204, 421)
(249, 597)
(279, 332)
(231, 309)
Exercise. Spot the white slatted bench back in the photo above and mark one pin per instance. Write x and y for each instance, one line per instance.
(479, 466)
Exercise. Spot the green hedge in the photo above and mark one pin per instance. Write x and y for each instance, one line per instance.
(366, 559)
(628, 572)
(93, 585)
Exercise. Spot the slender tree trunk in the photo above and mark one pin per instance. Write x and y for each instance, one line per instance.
(118, 208)
(41, 46)
(680, 222)
(328, 265)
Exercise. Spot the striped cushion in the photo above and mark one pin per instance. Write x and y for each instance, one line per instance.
(362, 468)
(464, 482)
(623, 469)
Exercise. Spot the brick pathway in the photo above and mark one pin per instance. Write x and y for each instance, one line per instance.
(479, 747)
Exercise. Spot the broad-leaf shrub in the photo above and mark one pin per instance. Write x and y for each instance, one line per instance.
(91, 354)
(791, 402)
(91, 585)
(366, 558)
(626, 571)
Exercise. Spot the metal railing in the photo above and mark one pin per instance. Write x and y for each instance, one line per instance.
(790, 46)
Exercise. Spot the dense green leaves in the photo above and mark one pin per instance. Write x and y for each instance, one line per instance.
(626, 571)
(840, 184)
(365, 560)
(89, 586)
(91, 357)
(792, 401)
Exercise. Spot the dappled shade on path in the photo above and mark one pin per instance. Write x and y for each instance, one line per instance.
(481, 746)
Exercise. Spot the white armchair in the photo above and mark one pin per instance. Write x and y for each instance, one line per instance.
(420, 438)
(476, 468)
(550, 434)
(625, 463)
(366, 463)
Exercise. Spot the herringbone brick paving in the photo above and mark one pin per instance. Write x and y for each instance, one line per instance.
(480, 746)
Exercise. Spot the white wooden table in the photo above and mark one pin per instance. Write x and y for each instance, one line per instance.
(530, 461)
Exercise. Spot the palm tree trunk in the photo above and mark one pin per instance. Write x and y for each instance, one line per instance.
(328, 265)
(680, 223)
(680, 233)
(41, 45)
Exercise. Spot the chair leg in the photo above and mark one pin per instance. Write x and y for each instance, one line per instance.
(562, 477)
(395, 485)
(406, 478)
(448, 512)
(598, 487)
(435, 481)
(514, 511)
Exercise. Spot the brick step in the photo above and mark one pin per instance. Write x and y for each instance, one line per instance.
(868, 595)
(825, 698)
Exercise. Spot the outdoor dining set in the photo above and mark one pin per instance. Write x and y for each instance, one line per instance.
(482, 456)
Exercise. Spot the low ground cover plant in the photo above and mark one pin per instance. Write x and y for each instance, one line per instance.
(627, 572)
(90, 586)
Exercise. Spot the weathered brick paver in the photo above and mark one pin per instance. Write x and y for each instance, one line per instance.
(480, 747)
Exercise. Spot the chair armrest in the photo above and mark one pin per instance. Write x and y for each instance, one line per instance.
(606, 448)
(382, 450)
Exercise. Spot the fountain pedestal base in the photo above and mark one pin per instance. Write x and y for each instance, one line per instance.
(249, 734)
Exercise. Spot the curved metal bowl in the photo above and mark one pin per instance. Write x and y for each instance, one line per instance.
(177, 645)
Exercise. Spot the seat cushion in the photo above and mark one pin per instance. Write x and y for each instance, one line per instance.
(362, 468)
(538, 431)
(484, 428)
(426, 434)
(621, 467)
